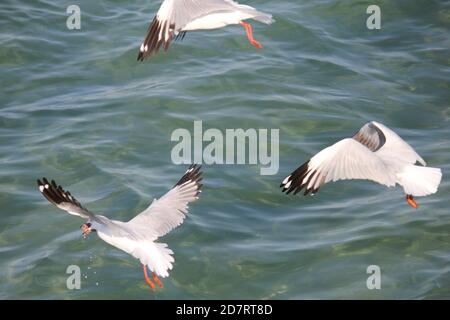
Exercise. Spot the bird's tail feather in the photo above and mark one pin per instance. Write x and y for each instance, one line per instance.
(157, 256)
(264, 17)
(257, 15)
(420, 181)
(164, 263)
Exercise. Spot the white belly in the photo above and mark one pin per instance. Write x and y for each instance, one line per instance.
(216, 20)
(123, 244)
(157, 256)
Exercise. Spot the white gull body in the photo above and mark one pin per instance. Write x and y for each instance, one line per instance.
(176, 17)
(375, 153)
(139, 235)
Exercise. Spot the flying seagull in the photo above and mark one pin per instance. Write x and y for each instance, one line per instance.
(375, 153)
(176, 17)
(137, 236)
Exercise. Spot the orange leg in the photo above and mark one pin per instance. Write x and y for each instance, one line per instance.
(249, 30)
(147, 279)
(411, 201)
(156, 279)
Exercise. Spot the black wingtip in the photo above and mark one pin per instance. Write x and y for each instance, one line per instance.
(296, 183)
(152, 42)
(55, 193)
(194, 174)
(180, 36)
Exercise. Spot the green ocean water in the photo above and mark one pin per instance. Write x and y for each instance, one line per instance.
(76, 106)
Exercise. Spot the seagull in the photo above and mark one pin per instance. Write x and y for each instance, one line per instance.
(138, 236)
(176, 17)
(374, 153)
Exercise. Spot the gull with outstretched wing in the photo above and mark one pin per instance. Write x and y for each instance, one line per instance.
(139, 235)
(374, 153)
(176, 17)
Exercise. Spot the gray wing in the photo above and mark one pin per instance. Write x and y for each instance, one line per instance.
(169, 211)
(62, 199)
(370, 136)
(396, 147)
(173, 16)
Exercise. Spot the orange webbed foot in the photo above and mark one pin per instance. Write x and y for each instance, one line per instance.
(156, 279)
(256, 44)
(410, 200)
(147, 279)
(249, 30)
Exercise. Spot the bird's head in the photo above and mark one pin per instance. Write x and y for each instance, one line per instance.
(86, 228)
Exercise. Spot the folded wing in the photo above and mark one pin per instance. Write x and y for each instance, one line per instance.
(371, 136)
(395, 147)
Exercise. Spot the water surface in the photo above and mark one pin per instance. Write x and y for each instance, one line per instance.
(77, 107)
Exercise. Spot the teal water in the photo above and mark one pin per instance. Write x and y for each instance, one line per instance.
(77, 107)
